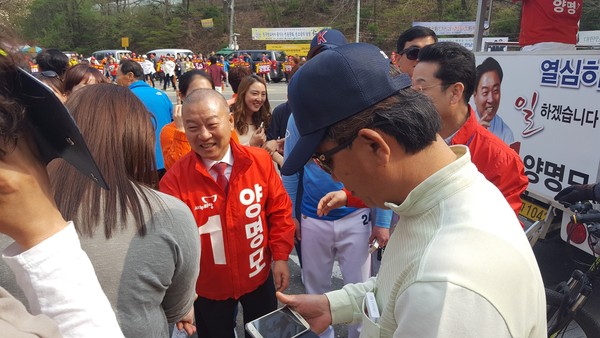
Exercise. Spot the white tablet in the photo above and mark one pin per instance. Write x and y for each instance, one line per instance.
(281, 323)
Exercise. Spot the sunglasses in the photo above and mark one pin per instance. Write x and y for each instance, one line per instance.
(323, 160)
(49, 74)
(412, 52)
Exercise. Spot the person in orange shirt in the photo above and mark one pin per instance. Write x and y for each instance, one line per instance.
(173, 142)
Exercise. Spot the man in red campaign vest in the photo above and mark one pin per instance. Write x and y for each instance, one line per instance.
(243, 214)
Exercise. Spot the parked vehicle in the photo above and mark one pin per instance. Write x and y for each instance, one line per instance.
(171, 51)
(276, 57)
(116, 53)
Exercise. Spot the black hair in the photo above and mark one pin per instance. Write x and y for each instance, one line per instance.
(456, 64)
(212, 59)
(414, 33)
(488, 65)
(52, 59)
(130, 66)
(186, 79)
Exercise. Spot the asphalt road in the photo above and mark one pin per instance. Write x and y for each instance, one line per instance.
(555, 258)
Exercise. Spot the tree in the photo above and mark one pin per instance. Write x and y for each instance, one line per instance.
(12, 12)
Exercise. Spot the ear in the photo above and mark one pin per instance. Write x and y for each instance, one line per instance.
(457, 90)
(231, 121)
(375, 144)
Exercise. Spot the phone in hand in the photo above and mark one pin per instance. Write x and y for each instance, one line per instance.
(281, 323)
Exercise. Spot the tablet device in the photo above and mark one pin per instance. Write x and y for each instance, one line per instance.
(281, 323)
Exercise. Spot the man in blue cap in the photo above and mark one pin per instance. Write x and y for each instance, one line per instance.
(344, 233)
(457, 251)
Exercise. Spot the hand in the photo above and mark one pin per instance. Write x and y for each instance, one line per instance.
(484, 121)
(281, 275)
(28, 213)
(270, 146)
(382, 235)
(333, 200)
(177, 118)
(280, 145)
(258, 138)
(298, 233)
(314, 308)
(578, 193)
(187, 322)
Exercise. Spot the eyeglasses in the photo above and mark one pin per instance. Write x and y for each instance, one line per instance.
(412, 52)
(423, 88)
(323, 160)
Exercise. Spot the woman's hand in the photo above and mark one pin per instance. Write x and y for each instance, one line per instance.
(258, 138)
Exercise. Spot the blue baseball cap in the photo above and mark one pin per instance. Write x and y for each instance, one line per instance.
(326, 39)
(334, 85)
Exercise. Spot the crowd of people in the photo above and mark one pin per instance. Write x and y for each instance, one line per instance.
(153, 217)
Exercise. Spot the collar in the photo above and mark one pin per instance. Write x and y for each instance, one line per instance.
(138, 83)
(465, 133)
(438, 186)
(227, 158)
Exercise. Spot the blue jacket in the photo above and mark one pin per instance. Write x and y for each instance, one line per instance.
(160, 106)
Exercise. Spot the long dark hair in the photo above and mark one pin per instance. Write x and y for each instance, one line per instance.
(118, 130)
(239, 106)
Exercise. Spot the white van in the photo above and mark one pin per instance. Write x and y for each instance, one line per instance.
(171, 51)
(117, 53)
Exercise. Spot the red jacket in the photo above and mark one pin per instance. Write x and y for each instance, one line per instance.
(494, 159)
(242, 232)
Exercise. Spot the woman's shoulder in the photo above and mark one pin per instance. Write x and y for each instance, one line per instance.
(167, 210)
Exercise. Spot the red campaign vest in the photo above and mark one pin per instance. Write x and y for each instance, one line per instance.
(550, 21)
(494, 159)
(241, 232)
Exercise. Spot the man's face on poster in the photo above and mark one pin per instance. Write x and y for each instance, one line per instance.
(487, 95)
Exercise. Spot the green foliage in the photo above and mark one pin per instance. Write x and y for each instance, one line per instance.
(506, 21)
(88, 25)
(590, 19)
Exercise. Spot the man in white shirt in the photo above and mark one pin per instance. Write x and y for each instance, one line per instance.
(458, 263)
(168, 68)
(148, 67)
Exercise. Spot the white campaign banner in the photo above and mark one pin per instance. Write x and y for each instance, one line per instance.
(450, 27)
(292, 33)
(589, 38)
(468, 43)
(551, 102)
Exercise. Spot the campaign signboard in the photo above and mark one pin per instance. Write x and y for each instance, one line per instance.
(290, 33)
(551, 102)
(297, 49)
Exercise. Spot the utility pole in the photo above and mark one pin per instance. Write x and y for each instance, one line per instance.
(357, 20)
(231, 15)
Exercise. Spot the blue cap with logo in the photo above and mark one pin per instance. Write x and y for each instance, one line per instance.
(326, 39)
(333, 86)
